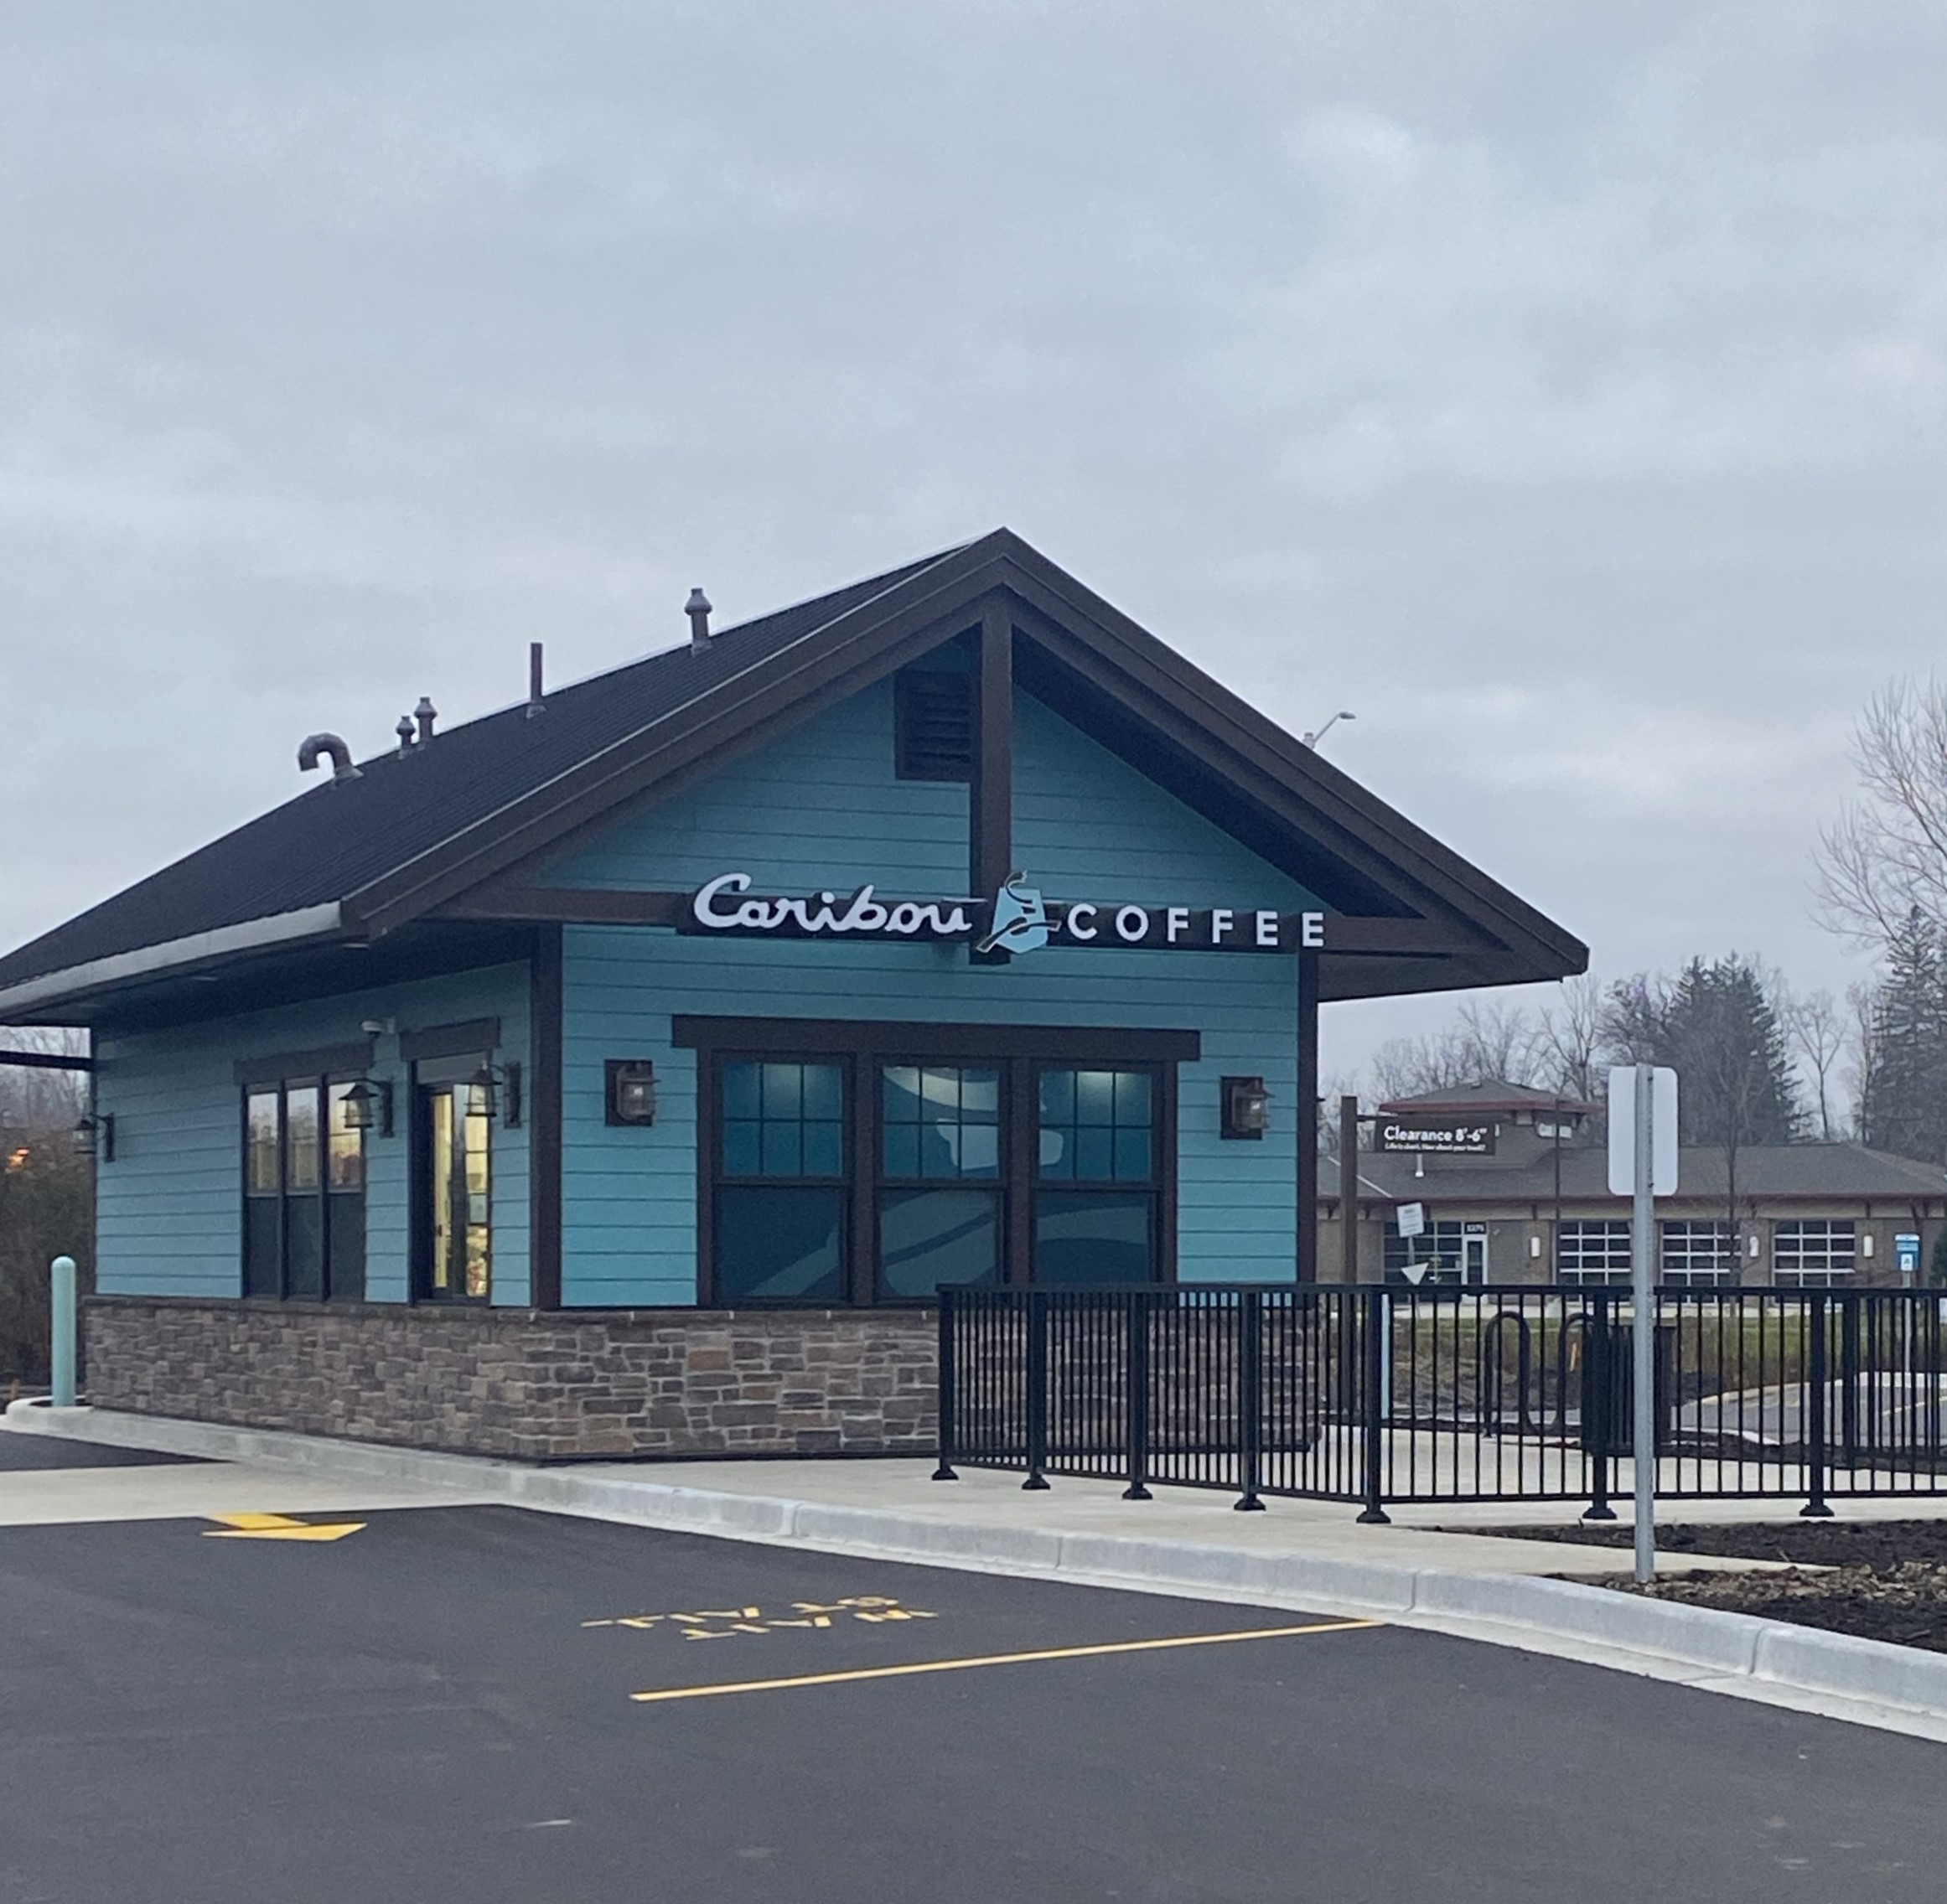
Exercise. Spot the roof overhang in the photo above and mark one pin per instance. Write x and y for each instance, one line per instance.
(177, 956)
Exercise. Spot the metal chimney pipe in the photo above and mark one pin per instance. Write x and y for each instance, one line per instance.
(327, 747)
(536, 701)
(404, 731)
(697, 608)
(425, 714)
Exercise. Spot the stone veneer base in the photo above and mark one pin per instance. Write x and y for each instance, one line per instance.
(527, 1385)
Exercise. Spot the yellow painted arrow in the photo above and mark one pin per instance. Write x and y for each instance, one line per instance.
(277, 1527)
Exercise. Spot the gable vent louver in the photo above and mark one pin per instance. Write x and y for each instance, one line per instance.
(933, 723)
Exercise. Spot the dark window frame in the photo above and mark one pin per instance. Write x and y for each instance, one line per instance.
(339, 1067)
(862, 1046)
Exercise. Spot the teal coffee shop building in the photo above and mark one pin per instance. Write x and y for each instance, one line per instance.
(619, 1075)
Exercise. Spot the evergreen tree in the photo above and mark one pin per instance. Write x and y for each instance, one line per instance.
(1715, 1026)
(1720, 1032)
(1903, 1095)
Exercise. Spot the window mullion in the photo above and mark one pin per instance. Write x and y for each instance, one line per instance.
(863, 1141)
(283, 1195)
(1021, 1173)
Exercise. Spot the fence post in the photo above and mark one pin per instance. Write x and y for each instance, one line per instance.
(1598, 1407)
(1250, 1399)
(949, 1394)
(1037, 1303)
(1848, 1380)
(1136, 1375)
(61, 1348)
(1376, 1348)
(1816, 1507)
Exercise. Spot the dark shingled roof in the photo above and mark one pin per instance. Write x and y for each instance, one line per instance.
(1849, 1171)
(397, 861)
(335, 837)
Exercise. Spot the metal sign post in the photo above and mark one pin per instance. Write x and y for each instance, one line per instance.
(1643, 1282)
(1643, 1163)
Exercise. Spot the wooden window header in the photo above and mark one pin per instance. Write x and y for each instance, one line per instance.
(318, 1061)
(1082, 1044)
(474, 1037)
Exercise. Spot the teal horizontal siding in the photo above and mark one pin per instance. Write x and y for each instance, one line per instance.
(169, 1209)
(1087, 824)
(630, 1195)
(821, 808)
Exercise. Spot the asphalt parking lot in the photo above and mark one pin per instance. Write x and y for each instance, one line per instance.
(448, 1704)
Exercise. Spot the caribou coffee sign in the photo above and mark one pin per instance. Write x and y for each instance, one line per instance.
(1017, 919)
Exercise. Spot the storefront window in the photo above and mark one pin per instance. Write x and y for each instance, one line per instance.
(1440, 1245)
(1092, 1223)
(860, 1170)
(939, 1124)
(780, 1201)
(1592, 1250)
(1814, 1252)
(1696, 1254)
(303, 1225)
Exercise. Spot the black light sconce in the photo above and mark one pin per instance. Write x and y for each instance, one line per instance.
(499, 1088)
(368, 1106)
(95, 1137)
(629, 1091)
(1245, 1107)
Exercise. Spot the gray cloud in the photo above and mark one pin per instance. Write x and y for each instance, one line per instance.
(1562, 388)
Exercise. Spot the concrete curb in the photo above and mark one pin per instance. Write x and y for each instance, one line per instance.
(1894, 1688)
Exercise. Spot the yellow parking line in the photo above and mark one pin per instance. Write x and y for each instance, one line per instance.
(999, 1659)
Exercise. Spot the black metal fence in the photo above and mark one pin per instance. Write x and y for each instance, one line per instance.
(1378, 1394)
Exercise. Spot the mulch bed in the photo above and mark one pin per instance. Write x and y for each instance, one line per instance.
(1877, 1579)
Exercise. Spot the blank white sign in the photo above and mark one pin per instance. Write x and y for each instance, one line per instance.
(1622, 1131)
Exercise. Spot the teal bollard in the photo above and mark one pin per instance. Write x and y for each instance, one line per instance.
(61, 1354)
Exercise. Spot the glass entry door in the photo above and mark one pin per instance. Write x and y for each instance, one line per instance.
(456, 1199)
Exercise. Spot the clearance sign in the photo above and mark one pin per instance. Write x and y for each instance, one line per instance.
(1436, 1137)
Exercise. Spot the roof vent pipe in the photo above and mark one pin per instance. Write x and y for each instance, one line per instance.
(536, 701)
(404, 731)
(697, 608)
(315, 747)
(425, 714)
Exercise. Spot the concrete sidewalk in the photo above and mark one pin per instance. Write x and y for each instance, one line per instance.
(985, 1498)
(1311, 1556)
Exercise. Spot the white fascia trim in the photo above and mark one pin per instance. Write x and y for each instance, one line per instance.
(251, 935)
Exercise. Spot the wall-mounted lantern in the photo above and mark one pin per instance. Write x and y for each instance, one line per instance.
(368, 1106)
(497, 1093)
(630, 1090)
(1245, 1107)
(95, 1137)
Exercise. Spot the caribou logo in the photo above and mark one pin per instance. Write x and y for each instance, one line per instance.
(1020, 921)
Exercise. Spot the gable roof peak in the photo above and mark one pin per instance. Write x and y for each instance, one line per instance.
(413, 835)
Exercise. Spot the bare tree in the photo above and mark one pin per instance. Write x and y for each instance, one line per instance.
(46, 1191)
(1861, 1011)
(1817, 1029)
(1486, 1041)
(1886, 852)
(1568, 1043)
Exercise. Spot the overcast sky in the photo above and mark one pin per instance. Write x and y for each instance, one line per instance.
(1559, 386)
